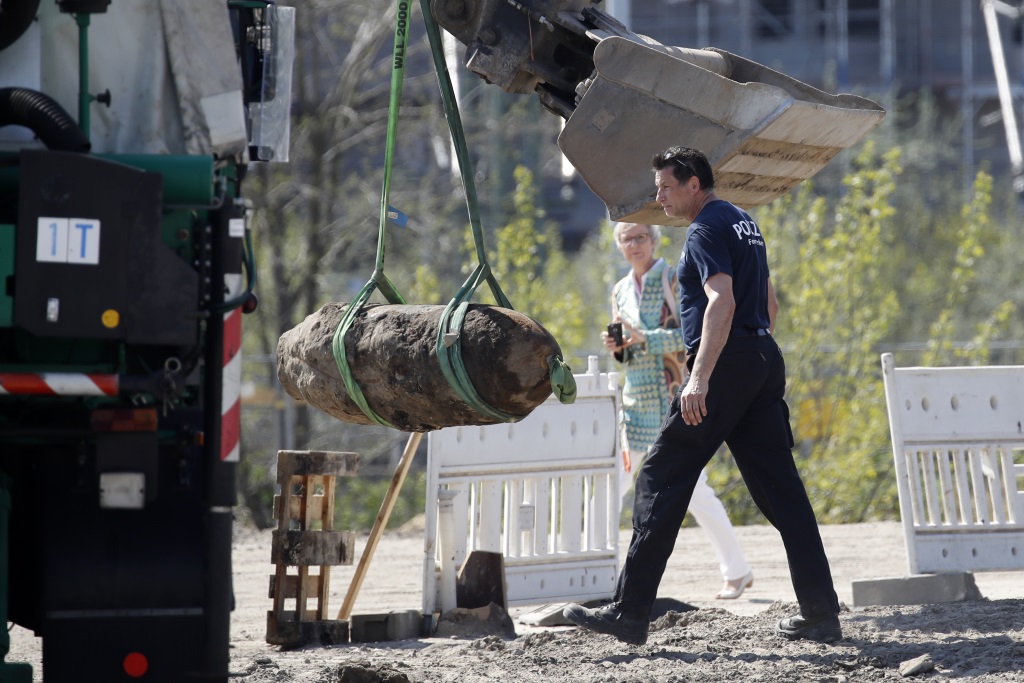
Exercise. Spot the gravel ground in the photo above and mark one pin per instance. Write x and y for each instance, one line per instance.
(976, 641)
(705, 640)
(699, 640)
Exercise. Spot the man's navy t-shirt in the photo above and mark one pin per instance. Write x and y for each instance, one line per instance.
(723, 239)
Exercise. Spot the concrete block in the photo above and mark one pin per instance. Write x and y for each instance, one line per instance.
(545, 615)
(404, 625)
(370, 628)
(916, 589)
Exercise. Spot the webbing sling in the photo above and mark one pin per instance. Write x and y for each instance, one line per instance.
(448, 345)
(378, 279)
(448, 348)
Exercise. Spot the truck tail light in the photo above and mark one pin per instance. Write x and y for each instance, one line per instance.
(135, 664)
(124, 420)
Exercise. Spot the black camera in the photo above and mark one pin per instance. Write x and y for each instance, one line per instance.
(615, 332)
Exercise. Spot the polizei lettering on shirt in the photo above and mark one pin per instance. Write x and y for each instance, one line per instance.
(747, 230)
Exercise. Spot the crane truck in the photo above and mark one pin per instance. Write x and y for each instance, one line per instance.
(124, 271)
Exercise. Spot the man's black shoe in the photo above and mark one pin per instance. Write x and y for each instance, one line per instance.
(823, 629)
(610, 620)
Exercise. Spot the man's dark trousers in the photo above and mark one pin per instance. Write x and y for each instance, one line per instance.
(747, 412)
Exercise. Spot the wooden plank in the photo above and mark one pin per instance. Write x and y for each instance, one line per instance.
(290, 615)
(305, 524)
(291, 633)
(327, 510)
(290, 585)
(299, 548)
(327, 523)
(305, 463)
(315, 503)
(378, 526)
(284, 481)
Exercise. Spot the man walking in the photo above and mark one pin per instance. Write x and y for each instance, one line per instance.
(733, 395)
(653, 362)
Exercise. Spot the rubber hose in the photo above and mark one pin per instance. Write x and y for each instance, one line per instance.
(44, 116)
(15, 18)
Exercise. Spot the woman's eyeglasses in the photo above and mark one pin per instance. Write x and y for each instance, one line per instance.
(635, 239)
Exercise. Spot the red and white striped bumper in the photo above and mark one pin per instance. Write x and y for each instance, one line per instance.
(58, 384)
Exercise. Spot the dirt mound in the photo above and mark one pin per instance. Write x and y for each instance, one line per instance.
(476, 623)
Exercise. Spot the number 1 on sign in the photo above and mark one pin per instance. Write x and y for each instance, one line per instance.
(52, 240)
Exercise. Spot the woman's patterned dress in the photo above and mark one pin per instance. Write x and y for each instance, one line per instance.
(651, 379)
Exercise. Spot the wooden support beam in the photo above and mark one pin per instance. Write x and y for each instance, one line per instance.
(378, 526)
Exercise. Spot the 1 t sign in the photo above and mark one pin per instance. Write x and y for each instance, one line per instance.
(68, 240)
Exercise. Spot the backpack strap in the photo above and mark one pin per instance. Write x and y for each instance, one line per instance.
(670, 299)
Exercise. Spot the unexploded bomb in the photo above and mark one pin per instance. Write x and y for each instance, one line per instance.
(391, 351)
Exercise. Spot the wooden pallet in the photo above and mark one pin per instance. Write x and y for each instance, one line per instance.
(305, 539)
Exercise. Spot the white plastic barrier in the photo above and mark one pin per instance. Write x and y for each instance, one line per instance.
(958, 441)
(544, 492)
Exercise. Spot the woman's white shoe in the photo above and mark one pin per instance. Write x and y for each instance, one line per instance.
(734, 589)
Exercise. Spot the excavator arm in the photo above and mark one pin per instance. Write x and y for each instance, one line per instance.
(538, 46)
(625, 96)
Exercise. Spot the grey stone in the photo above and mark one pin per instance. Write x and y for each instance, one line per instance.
(917, 589)
(918, 665)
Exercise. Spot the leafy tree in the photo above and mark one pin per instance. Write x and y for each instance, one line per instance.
(833, 316)
(539, 279)
(535, 274)
(963, 278)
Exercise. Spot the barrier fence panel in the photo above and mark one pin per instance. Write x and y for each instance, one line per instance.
(958, 443)
(543, 492)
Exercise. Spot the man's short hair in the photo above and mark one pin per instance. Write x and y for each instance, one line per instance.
(653, 230)
(686, 162)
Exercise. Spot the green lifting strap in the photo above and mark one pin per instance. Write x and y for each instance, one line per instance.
(449, 353)
(378, 280)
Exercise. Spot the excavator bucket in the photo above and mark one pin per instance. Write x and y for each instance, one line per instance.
(763, 131)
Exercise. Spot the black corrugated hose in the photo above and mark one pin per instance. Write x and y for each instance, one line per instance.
(44, 116)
